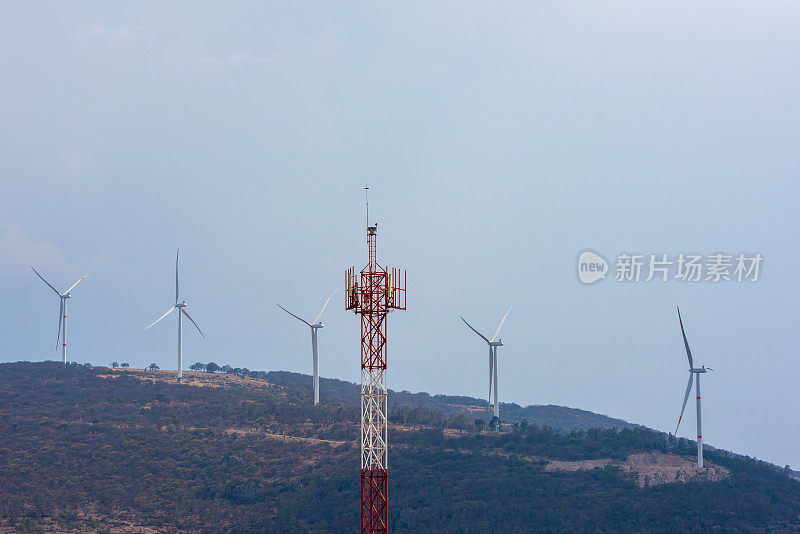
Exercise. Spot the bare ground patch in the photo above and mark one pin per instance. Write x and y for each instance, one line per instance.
(650, 468)
(281, 437)
(84, 521)
(192, 378)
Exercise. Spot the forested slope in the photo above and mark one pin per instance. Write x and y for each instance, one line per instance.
(132, 451)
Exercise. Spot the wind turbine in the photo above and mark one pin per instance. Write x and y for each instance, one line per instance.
(693, 371)
(493, 344)
(316, 325)
(181, 307)
(62, 314)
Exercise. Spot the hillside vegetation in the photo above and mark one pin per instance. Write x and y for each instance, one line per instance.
(95, 449)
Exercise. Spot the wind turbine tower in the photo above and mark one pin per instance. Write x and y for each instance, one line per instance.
(377, 292)
(493, 344)
(62, 314)
(316, 325)
(179, 305)
(692, 372)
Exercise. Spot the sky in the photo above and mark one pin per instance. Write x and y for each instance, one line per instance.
(499, 140)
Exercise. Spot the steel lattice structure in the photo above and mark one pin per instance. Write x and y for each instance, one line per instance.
(378, 291)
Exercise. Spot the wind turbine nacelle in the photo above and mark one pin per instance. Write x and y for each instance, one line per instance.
(498, 343)
(699, 370)
(181, 304)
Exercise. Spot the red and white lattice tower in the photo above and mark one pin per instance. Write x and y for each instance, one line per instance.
(378, 291)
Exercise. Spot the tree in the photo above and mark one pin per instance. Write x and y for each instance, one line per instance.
(198, 366)
(153, 367)
(212, 367)
(227, 369)
(523, 426)
(124, 365)
(114, 365)
(494, 424)
(458, 422)
(26, 524)
(479, 424)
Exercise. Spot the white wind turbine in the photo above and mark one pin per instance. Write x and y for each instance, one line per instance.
(181, 307)
(316, 325)
(693, 371)
(62, 314)
(493, 344)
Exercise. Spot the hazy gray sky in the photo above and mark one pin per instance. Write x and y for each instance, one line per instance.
(499, 143)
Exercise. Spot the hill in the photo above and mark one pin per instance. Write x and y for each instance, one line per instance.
(95, 449)
(558, 417)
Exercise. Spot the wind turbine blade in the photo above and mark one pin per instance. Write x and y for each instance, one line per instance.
(685, 398)
(470, 327)
(46, 282)
(194, 323)
(154, 322)
(176, 274)
(293, 315)
(686, 343)
(75, 284)
(497, 333)
(60, 318)
(325, 306)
